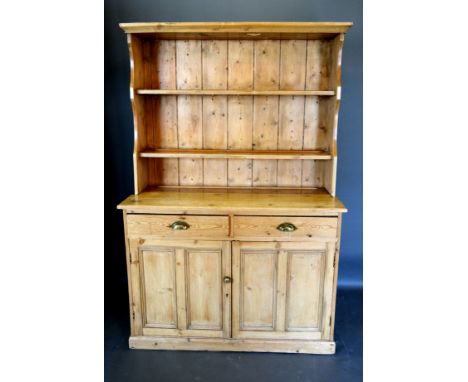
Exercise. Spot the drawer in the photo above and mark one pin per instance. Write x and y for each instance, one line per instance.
(177, 226)
(284, 227)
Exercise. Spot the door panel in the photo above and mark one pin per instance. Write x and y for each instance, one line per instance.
(278, 289)
(158, 276)
(257, 286)
(304, 290)
(181, 289)
(204, 289)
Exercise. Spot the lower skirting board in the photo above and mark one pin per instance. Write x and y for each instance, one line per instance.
(223, 344)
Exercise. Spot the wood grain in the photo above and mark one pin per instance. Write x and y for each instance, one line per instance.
(140, 226)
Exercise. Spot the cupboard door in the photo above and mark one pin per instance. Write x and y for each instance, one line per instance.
(181, 288)
(282, 290)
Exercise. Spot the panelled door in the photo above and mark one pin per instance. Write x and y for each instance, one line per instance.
(282, 290)
(181, 287)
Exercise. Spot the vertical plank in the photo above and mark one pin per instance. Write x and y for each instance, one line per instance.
(164, 122)
(189, 64)
(189, 114)
(240, 173)
(305, 275)
(328, 293)
(240, 65)
(181, 289)
(291, 127)
(215, 127)
(214, 59)
(291, 110)
(215, 64)
(164, 171)
(281, 291)
(293, 65)
(318, 65)
(312, 173)
(240, 122)
(158, 275)
(189, 109)
(315, 128)
(204, 289)
(240, 110)
(240, 137)
(190, 136)
(236, 285)
(190, 172)
(215, 122)
(258, 286)
(227, 289)
(289, 173)
(264, 173)
(265, 137)
(165, 60)
(291, 123)
(134, 274)
(267, 63)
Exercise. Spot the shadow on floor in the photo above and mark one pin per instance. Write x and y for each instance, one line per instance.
(122, 364)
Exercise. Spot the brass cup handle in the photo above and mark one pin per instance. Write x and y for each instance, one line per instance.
(227, 279)
(179, 226)
(286, 227)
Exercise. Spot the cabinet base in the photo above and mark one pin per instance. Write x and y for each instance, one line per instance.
(223, 344)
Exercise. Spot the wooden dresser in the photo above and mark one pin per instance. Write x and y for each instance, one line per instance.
(233, 232)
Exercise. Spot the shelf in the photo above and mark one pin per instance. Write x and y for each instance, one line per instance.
(302, 202)
(236, 154)
(206, 92)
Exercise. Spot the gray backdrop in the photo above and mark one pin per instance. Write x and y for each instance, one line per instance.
(119, 124)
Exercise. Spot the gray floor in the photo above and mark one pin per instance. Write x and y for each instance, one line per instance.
(121, 364)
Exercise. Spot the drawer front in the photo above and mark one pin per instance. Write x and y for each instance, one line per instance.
(177, 226)
(285, 227)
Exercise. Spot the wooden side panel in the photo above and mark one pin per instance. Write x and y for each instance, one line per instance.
(158, 278)
(136, 287)
(161, 112)
(137, 78)
(204, 289)
(257, 286)
(304, 290)
(330, 167)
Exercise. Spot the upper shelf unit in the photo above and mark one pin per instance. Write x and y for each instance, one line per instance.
(235, 104)
(239, 30)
